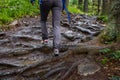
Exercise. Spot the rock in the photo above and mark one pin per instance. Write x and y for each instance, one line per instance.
(72, 36)
(79, 23)
(14, 23)
(86, 69)
(69, 35)
(79, 36)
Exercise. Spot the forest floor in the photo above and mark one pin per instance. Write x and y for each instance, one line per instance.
(24, 57)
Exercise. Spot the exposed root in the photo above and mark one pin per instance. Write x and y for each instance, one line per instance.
(43, 69)
(53, 72)
(8, 64)
(70, 70)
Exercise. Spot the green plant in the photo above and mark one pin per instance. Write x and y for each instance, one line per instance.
(104, 60)
(14, 9)
(115, 55)
(115, 78)
(105, 50)
(103, 18)
(109, 35)
(73, 2)
(74, 9)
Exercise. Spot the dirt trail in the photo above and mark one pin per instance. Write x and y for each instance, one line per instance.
(23, 57)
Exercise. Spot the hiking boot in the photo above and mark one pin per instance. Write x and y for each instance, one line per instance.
(45, 42)
(56, 52)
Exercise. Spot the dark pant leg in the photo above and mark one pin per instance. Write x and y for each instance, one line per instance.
(56, 16)
(44, 10)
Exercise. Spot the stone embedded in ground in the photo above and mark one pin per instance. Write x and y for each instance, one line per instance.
(79, 23)
(79, 36)
(14, 23)
(69, 35)
(88, 69)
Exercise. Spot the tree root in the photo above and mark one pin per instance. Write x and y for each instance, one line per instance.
(89, 49)
(8, 64)
(44, 70)
(79, 49)
(39, 63)
(70, 70)
(15, 52)
(53, 72)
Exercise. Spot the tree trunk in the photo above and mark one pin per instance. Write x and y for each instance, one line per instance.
(79, 3)
(117, 26)
(105, 6)
(85, 6)
(67, 2)
(116, 15)
(99, 6)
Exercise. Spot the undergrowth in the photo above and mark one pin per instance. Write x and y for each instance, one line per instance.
(109, 55)
(13, 9)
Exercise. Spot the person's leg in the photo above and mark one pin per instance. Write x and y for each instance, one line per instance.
(56, 16)
(44, 10)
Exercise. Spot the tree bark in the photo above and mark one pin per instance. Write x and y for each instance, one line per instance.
(85, 6)
(105, 6)
(79, 3)
(99, 6)
(116, 16)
